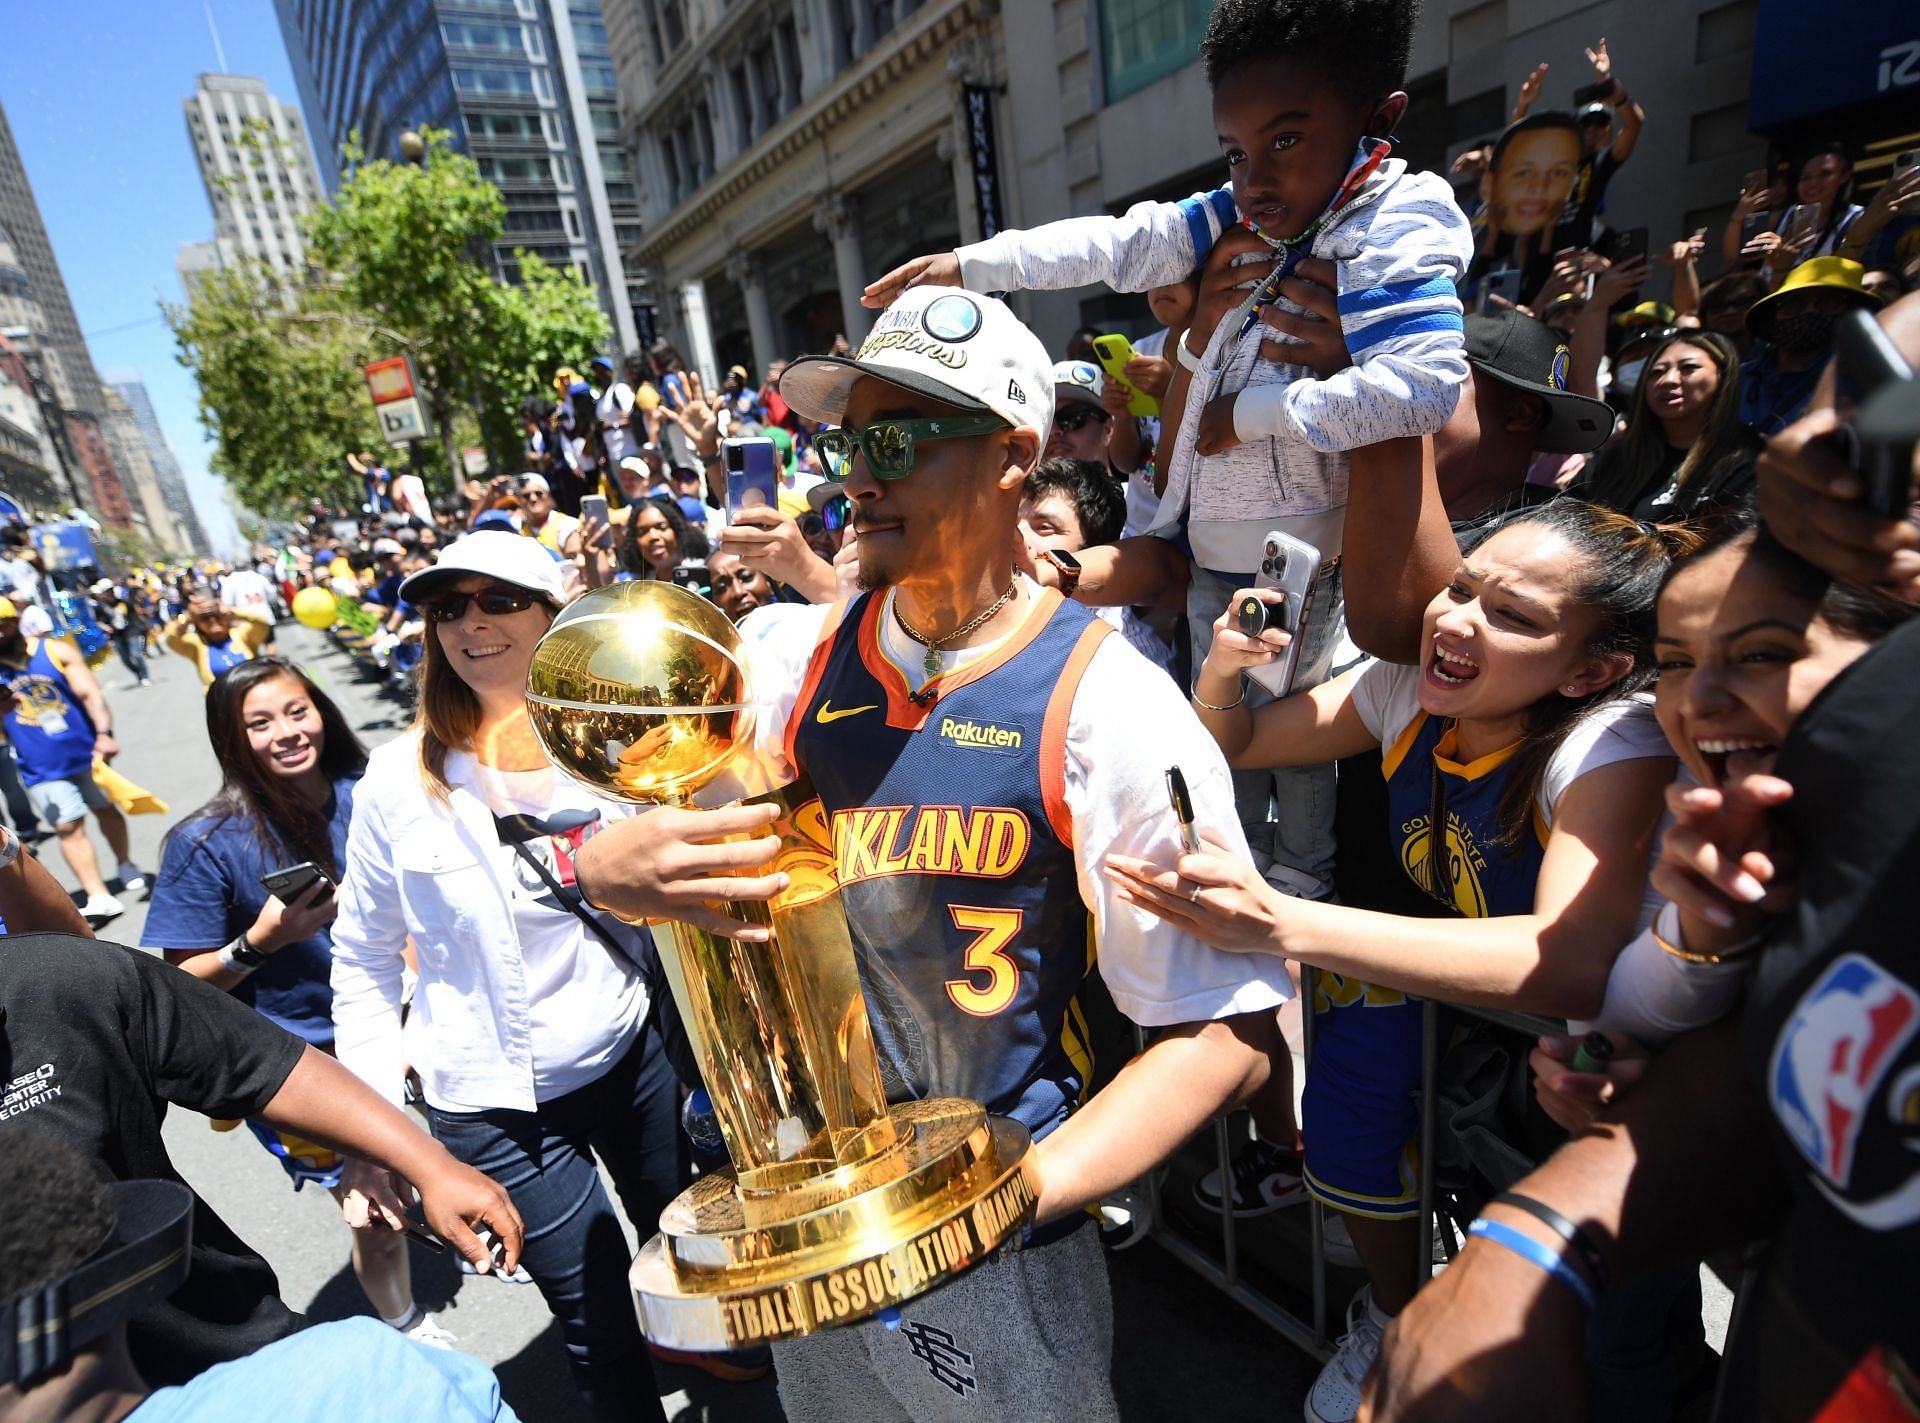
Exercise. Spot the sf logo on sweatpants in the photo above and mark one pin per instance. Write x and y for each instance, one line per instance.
(942, 1355)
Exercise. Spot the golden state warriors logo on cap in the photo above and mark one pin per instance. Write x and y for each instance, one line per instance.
(1557, 376)
(951, 318)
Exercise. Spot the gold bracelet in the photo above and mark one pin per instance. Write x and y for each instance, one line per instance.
(1209, 706)
(1686, 955)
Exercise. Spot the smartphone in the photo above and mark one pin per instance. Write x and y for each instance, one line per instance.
(1803, 220)
(1753, 224)
(1877, 441)
(295, 880)
(1905, 163)
(1182, 802)
(1293, 567)
(594, 506)
(1114, 353)
(695, 576)
(1505, 284)
(751, 481)
(1629, 246)
(1755, 181)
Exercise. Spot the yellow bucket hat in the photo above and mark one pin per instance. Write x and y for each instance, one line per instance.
(1819, 273)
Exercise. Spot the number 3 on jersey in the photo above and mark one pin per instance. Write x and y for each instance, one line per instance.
(987, 954)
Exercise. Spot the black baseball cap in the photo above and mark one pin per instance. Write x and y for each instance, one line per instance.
(1527, 354)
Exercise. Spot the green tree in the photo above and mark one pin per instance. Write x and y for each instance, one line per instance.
(411, 247)
(280, 385)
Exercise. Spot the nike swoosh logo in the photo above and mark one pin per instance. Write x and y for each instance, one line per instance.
(828, 714)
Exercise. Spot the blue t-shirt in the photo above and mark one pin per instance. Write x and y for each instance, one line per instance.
(336, 1373)
(208, 891)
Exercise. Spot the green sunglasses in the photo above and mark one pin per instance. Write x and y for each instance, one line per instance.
(889, 444)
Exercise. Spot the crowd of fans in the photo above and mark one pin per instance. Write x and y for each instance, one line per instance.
(1587, 715)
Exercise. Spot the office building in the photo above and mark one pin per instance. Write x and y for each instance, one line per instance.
(525, 87)
(258, 171)
(29, 473)
(787, 150)
(129, 388)
(50, 343)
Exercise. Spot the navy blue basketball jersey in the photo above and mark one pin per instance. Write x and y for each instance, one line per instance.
(954, 848)
(1487, 879)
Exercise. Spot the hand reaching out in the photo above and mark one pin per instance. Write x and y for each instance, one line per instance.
(940, 269)
(1687, 249)
(1720, 861)
(1574, 1099)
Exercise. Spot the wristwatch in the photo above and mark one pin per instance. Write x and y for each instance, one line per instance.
(246, 953)
(1069, 567)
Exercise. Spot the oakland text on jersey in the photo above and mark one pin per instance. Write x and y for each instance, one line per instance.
(985, 842)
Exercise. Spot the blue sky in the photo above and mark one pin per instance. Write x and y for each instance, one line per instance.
(94, 99)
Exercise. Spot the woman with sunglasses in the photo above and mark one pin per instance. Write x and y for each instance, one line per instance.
(539, 1044)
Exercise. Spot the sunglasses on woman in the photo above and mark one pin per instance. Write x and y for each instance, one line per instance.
(1067, 421)
(889, 445)
(496, 601)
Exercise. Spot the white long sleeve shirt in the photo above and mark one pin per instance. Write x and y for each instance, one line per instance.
(1400, 244)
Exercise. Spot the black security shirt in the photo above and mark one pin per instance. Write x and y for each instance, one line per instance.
(1833, 1042)
(95, 1041)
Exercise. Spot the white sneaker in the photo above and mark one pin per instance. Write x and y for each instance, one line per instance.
(424, 1331)
(132, 878)
(100, 908)
(1335, 1395)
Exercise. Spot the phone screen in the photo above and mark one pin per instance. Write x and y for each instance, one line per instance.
(751, 481)
(1802, 219)
(594, 506)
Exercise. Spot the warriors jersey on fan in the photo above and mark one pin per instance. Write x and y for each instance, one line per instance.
(970, 815)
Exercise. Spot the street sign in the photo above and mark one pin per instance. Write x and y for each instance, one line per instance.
(402, 421)
(390, 380)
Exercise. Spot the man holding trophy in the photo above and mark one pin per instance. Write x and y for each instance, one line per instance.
(979, 747)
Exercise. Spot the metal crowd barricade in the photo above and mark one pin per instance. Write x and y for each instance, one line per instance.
(1226, 1274)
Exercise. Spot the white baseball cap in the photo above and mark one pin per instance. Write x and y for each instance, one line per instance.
(954, 346)
(497, 554)
(383, 546)
(1078, 380)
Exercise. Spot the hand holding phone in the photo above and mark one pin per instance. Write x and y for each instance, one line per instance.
(751, 480)
(593, 508)
(1114, 352)
(290, 883)
(1291, 567)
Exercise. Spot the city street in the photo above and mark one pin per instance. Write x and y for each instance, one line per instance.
(1181, 1349)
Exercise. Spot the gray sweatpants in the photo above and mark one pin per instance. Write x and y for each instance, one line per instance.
(1020, 1338)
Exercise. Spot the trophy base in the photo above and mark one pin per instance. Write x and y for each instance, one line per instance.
(712, 1281)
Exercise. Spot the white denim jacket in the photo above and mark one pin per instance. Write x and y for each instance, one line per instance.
(432, 870)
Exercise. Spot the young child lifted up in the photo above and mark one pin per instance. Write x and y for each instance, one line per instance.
(1306, 94)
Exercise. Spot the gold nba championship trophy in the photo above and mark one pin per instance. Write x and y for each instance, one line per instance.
(837, 1205)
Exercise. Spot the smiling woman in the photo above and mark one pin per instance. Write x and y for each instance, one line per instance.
(539, 1020)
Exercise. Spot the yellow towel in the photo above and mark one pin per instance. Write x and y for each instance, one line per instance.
(131, 799)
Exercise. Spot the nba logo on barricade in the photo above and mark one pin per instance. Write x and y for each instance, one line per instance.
(1831, 1057)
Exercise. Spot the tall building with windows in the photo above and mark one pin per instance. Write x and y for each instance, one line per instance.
(259, 174)
(52, 350)
(787, 150)
(527, 89)
(128, 387)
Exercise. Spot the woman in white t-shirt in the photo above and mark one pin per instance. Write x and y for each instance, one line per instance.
(1526, 734)
(535, 1027)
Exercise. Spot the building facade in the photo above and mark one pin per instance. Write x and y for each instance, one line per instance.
(54, 346)
(788, 150)
(29, 471)
(153, 515)
(527, 89)
(792, 150)
(258, 171)
(173, 484)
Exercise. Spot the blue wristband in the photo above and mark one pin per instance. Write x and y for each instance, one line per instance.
(1527, 1248)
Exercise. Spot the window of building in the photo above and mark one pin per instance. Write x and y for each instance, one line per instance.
(491, 83)
(550, 125)
(846, 31)
(589, 36)
(562, 170)
(743, 114)
(606, 122)
(673, 25)
(786, 46)
(703, 131)
(766, 71)
(543, 85)
(670, 160)
(622, 193)
(572, 217)
(597, 78)
(478, 38)
(1145, 40)
(536, 46)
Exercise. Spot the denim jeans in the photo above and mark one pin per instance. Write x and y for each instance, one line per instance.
(132, 645)
(1287, 811)
(575, 1250)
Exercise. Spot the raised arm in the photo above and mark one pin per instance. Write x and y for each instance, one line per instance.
(86, 689)
(32, 901)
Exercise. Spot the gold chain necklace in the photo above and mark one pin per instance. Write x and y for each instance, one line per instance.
(932, 664)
